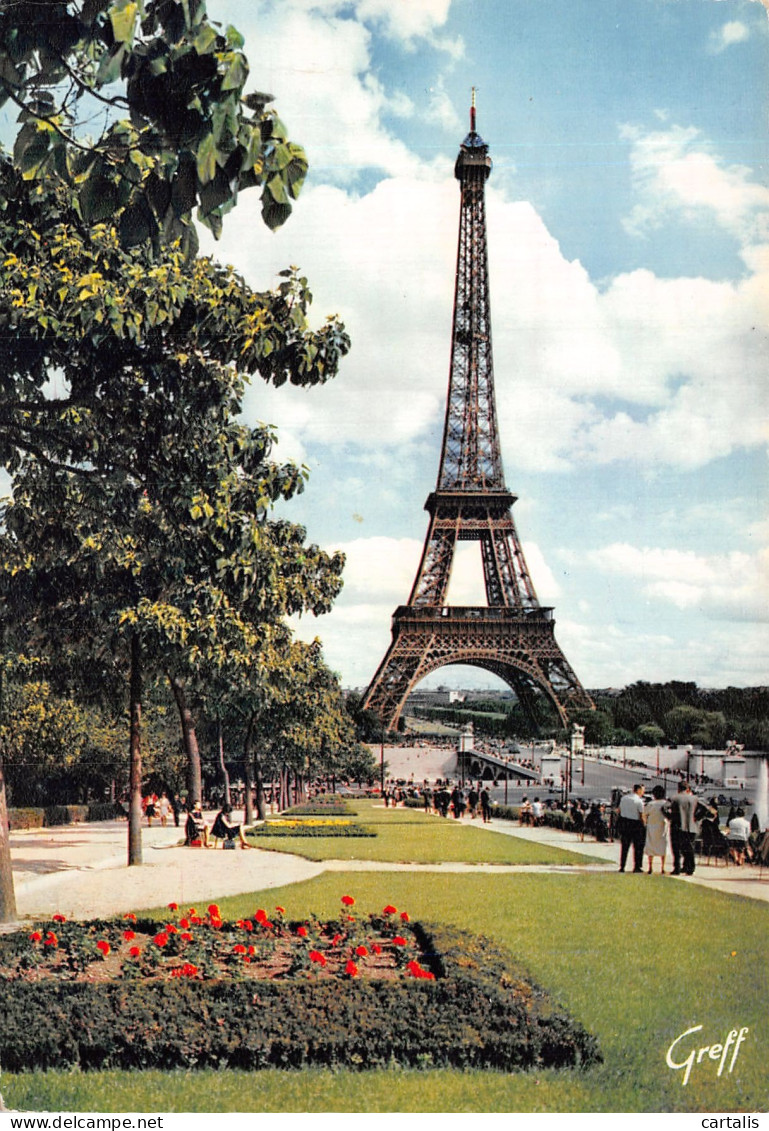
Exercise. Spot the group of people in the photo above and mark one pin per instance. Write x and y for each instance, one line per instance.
(648, 826)
(197, 831)
(443, 801)
(159, 807)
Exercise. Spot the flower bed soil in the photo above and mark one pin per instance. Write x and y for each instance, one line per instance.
(359, 991)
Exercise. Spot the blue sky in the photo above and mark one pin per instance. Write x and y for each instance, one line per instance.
(628, 220)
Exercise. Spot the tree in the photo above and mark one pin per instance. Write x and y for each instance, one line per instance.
(649, 734)
(150, 347)
(167, 86)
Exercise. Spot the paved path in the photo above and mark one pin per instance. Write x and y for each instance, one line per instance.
(80, 870)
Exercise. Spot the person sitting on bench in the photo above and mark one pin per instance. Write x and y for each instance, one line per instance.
(195, 828)
(224, 830)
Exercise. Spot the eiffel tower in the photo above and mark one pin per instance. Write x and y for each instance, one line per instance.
(513, 636)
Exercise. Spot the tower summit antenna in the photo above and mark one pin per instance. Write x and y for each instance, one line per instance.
(472, 112)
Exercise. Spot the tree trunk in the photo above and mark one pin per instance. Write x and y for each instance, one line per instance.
(261, 806)
(190, 742)
(135, 757)
(248, 775)
(222, 765)
(283, 799)
(7, 894)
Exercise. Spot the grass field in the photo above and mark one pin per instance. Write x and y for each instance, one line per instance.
(412, 837)
(638, 959)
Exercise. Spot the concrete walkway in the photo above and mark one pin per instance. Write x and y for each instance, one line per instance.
(79, 870)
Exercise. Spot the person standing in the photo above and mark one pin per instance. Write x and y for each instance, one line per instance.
(683, 829)
(632, 828)
(485, 806)
(657, 829)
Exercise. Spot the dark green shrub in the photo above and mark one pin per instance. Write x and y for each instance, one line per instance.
(104, 811)
(506, 812)
(65, 814)
(270, 830)
(26, 819)
(477, 1013)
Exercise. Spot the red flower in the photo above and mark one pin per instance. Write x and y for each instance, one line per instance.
(191, 912)
(268, 925)
(281, 910)
(239, 949)
(135, 951)
(405, 916)
(103, 946)
(248, 925)
(213, 911)
(351, 970)
(130, 915)
(161, 939)
(186, 936)
(316, 956)
(348, 900)
(376, 948)
(302, 932)
(361, 951)
(59, 918)
(35, 936)
(185, 924)
(171, 929)
(50, 940)
(260, 916)
(399, 941)
(185, 971)
(336, 940)
(252, 951)
(389, 910)
(173, 907)
(128, 935)
(216, 924)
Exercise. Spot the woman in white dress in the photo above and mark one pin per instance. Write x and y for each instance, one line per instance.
(657, 828)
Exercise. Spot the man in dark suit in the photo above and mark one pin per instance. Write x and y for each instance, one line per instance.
(683, 829)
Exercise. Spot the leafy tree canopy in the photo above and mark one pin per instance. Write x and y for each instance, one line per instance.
(138, 107)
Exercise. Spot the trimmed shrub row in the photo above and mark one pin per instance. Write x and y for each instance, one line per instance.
(62, 815)
(269, 830)
(476, 1014)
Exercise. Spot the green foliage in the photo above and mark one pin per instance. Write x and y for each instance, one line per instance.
(176, 130)
(476, 1014)
(301, 831)
(29, 818)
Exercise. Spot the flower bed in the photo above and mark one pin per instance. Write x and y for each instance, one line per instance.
(310, 826)
(358, 990)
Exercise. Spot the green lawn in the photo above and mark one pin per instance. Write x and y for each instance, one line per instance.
(637, 959)
(412, 837)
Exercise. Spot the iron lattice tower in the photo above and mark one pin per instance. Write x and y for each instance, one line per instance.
(513, 636)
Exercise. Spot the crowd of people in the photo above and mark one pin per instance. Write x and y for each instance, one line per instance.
(682, 824)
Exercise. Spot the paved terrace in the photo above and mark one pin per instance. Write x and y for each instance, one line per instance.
(80, 870)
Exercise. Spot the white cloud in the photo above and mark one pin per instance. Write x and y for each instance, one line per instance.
(676, 175)
(648, 369)
(734, 31)
(733, 586)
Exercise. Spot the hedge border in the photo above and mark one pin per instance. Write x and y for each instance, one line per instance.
(480, 1012)
(51, 816)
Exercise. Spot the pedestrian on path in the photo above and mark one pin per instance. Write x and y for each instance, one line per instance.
(632, 828)
(683, 829)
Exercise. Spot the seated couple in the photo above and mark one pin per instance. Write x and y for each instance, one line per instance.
(223, 829)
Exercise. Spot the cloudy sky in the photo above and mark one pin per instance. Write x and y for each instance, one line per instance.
(628, 219)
